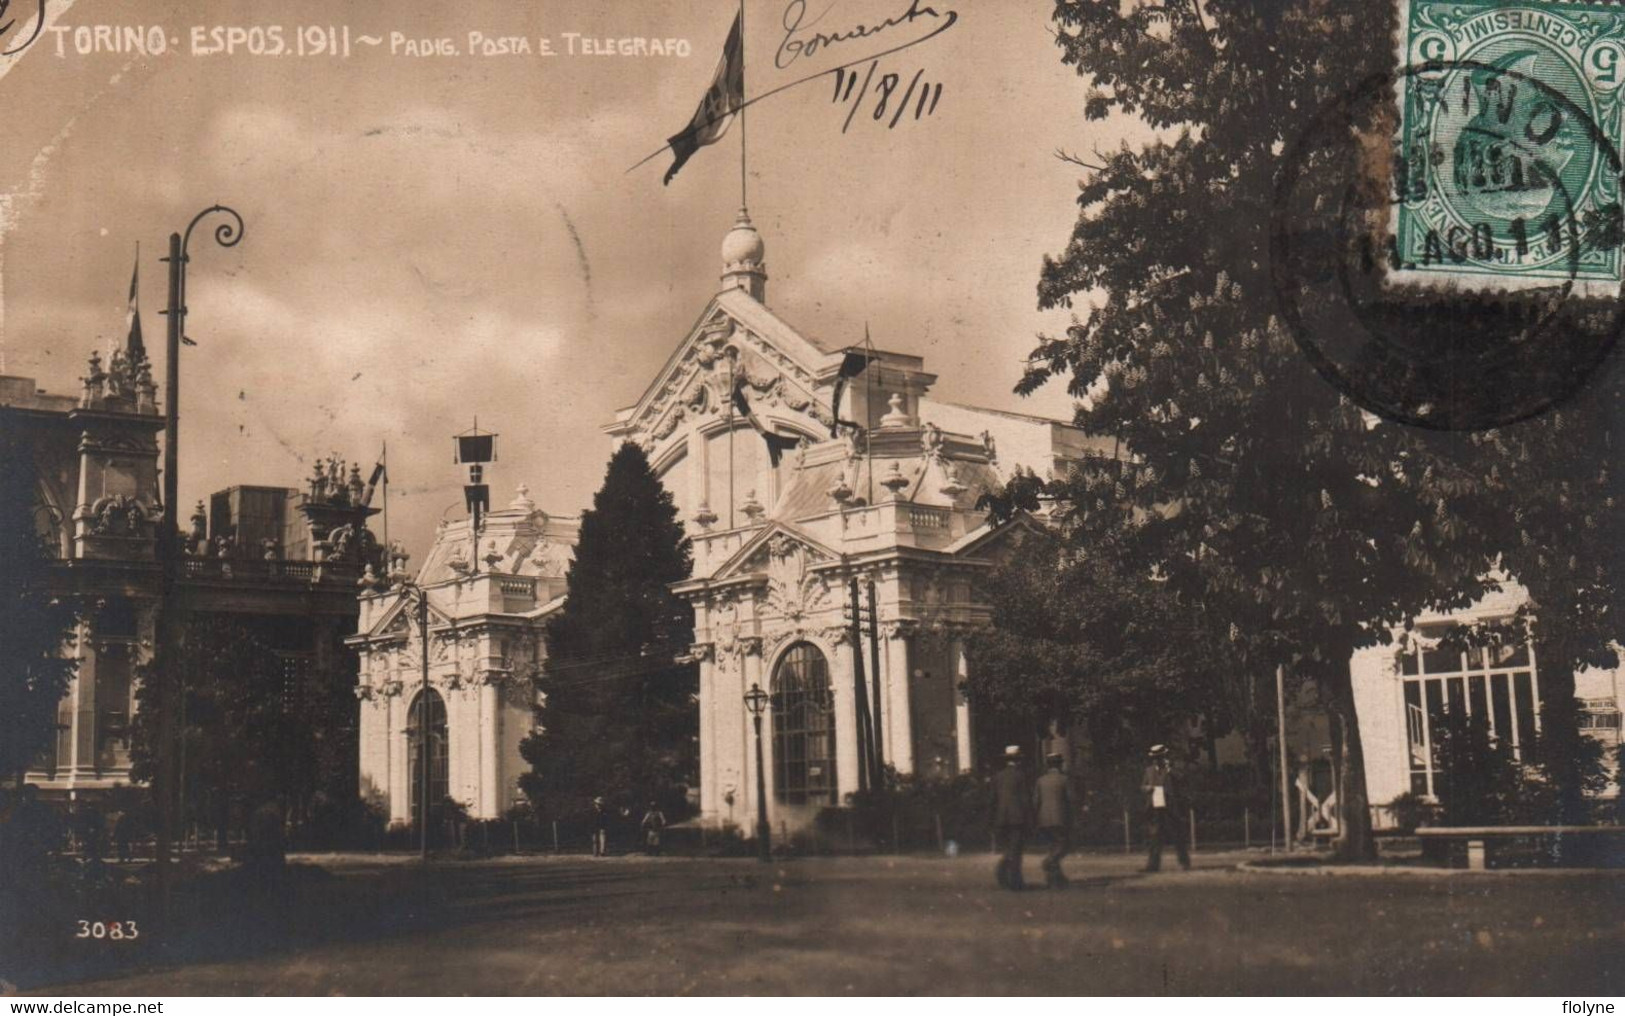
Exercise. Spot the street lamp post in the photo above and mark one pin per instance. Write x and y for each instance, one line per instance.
(756, 701)
(420, 598)
(226, 234)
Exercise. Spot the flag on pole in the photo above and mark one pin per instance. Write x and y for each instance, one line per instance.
(378, 473)
(722, 100)
(134, 346)
(852, 364)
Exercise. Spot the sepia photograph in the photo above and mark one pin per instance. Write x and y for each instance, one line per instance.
(812, 498)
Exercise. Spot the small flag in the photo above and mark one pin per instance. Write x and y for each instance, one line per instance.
(378, 473)
(852, 365)
(777, 444)
(134, 346)
(722, 100)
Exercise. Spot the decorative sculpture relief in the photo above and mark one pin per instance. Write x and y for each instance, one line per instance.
(119, 515)
(793, 590)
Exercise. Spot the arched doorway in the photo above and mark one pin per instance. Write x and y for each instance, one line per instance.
(803, 728)
(429, 702)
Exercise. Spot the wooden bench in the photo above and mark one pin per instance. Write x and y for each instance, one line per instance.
(1477, 836)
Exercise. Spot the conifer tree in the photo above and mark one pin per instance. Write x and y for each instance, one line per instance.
(618, 715)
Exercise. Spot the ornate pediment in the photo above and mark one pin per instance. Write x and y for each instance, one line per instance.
(699, 381)
(794, 590)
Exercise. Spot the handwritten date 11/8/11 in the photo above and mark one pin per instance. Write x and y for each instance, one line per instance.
(886, 100)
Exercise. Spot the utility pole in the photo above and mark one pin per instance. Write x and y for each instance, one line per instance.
(1280, 738)
(874, 678)
(423, 720)
(860, 693)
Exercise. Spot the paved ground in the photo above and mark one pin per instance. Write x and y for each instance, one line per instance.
(912, 925)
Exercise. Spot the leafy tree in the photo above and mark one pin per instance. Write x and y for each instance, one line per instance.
(241, 746)
(1255, 489)
(1481, 781)
(35, 624)
(1113, 655)
(618, 715)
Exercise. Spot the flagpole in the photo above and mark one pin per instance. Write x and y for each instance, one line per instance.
(383, 456)
(869, 411)
(742, 202)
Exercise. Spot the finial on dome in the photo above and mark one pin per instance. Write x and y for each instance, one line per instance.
(743, 266)
(523, 502)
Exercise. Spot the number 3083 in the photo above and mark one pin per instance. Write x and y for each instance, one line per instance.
(108, 929)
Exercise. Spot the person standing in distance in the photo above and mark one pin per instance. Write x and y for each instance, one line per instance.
(1164, 804)
(1052, 809)
(1010, 803)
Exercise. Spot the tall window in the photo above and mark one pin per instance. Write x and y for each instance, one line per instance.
(430, 703)
(803, 728)
(1496, 686)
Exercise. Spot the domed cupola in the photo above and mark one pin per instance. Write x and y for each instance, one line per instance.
(743, 266)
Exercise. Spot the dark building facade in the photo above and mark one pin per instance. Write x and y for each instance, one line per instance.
(284, 562)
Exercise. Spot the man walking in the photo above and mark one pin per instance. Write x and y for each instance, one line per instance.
(1010, 803)
(1052, 805)
(600, 828)
(1164, 804)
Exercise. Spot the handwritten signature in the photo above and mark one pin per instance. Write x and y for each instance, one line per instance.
(797, 44)
(7, 24)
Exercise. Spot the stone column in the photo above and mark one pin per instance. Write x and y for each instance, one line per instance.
(750, 672)
(711, 807)
(962, 727)
(490, 803)
(899, 718)
(400, 790)
(84, 706)
(846, 713)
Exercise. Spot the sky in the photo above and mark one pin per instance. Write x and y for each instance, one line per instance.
(431, 238)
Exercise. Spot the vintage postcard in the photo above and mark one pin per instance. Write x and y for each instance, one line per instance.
(810, 498)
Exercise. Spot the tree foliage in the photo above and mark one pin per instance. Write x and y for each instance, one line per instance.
(1114, 655)
(618, 717)
(1253, 487)
(241, 745)
(35, 623)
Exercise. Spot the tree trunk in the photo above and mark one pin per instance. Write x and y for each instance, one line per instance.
(1354, 839)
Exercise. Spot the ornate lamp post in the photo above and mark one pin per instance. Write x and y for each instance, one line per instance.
(756, 701)
(226, 234)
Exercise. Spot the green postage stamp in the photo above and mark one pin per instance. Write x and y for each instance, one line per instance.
(1508, 168)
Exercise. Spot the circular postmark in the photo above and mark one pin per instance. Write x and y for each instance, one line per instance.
(1445, 243)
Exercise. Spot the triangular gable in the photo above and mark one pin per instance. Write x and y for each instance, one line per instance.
(791, 349)
(739, 564)
(394, 618)
(988, 538)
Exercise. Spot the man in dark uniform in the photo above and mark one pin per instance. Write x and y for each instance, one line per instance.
(1164, 807)
(1052, 810)
(1010, 802)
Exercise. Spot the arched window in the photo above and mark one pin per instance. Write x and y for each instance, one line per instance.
(803, 728)
(431, 703)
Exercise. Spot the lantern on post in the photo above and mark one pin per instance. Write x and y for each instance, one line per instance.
(475, 448)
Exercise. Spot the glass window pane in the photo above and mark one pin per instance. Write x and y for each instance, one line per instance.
(1524, 688)
(1435, 710)
(1440, 661)
(1458, 696)
(1510, 656)
(1407, 664)
(1501, 704)
(1478, 699)
(803, 728)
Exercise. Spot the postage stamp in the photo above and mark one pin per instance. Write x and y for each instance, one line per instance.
(1509, 137)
